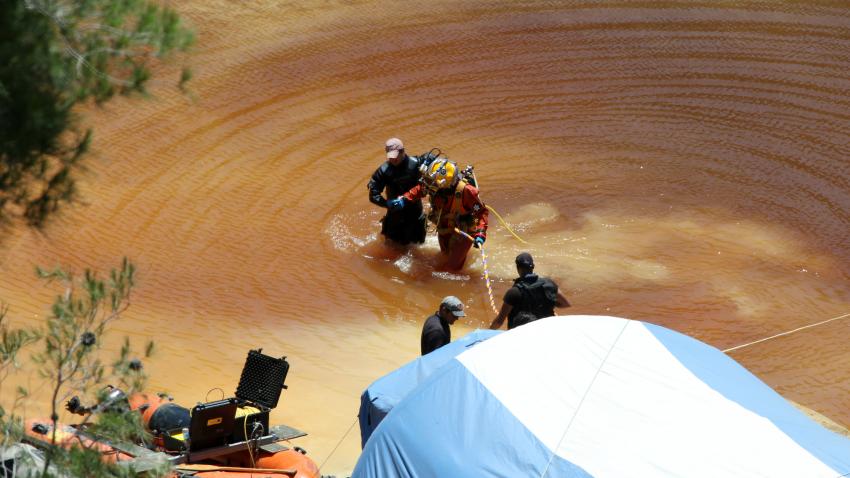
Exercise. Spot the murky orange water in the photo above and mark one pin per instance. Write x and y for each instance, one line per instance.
(683, 163)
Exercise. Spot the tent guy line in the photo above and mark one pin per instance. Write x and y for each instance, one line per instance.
(786, 333)
(338, 443)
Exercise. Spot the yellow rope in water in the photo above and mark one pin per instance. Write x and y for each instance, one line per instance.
(484, 254)
(487, 280)
(486, 272)
(478, 185)
(506, 225)
(785, 333)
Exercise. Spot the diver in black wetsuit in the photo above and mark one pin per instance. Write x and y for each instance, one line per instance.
(404, 222)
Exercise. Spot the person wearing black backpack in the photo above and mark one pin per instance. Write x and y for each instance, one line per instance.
(532, 297)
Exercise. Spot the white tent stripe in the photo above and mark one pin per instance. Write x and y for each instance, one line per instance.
(590, 386)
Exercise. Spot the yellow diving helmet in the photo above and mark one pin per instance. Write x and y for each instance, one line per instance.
(441, 174)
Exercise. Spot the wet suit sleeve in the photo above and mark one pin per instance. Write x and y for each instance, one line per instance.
(472, 202)
(416, 192)
(512, 296)
(511, 299)
(560, 299)
(432, 339)
(376, 188)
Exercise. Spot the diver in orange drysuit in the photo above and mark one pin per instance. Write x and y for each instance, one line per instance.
(454, 204)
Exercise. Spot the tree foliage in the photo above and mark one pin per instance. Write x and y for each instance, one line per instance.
(55, 54)
(68, 357)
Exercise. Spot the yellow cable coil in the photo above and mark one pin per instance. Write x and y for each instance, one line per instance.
(245, 411)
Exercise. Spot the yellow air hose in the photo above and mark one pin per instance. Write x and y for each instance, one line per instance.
(506, 225)
(478, 186)
(486, 272)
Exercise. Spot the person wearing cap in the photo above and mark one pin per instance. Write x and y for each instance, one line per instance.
(456, 209)
(532, 297)
(404, 222)
(436, 331)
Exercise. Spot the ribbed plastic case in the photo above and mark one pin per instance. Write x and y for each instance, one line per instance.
(262, 379)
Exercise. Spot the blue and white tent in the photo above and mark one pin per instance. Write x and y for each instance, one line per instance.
(592, 396)
(386, 392)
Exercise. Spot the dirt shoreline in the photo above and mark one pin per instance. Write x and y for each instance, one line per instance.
(822, 420)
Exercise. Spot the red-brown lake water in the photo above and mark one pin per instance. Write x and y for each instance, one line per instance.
(682, 163)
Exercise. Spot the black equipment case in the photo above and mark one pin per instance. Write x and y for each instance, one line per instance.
(258, 392)
(211, 425)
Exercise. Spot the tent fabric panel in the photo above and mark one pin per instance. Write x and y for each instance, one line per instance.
(548, 371)
(739, 385)
(372, 411)
(383, 394)
(654, 414)
(452, 426)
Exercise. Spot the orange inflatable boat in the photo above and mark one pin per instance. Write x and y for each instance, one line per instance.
(225, 438)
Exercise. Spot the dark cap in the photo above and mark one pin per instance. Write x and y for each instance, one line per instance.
(525, 259)
(454, 305)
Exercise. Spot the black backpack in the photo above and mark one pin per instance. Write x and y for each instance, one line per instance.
(538, 298)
